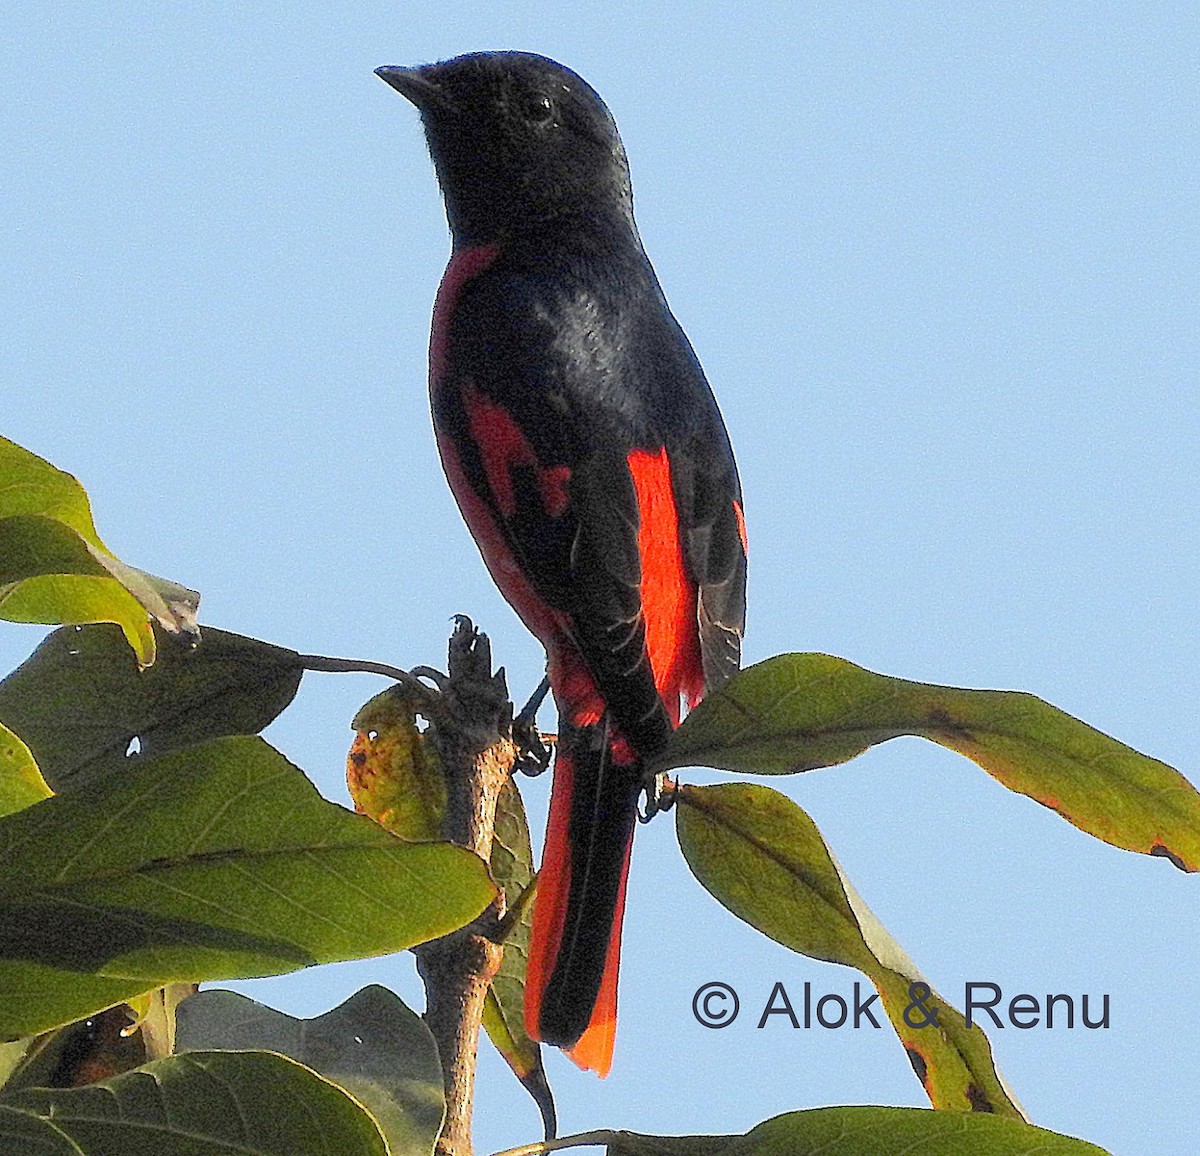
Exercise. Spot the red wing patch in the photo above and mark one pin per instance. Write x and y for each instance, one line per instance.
(503, 445)
(555, 494)
(668, 592)
(543, 620)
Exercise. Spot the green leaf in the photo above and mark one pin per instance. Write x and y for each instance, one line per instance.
(80, 700)
(865, 1131)
(13, 1055)
(33, 544)
(76, 598)
(372, 1046)
(36, 997)
(55, 568)
(217, 862)
(504, 1008)
(394, 771)
(763, 858)
(21, 784)
(201, 1104)
(154, 1014)
(795, 712)
(31, 485)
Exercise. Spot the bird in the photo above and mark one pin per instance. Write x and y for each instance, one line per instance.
(594, 470)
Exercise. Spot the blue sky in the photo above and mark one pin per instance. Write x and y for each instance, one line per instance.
(940, 263)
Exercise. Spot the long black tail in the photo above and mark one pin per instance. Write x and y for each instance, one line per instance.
(571, 983)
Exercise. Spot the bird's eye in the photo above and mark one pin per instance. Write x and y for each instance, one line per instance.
(537, 108)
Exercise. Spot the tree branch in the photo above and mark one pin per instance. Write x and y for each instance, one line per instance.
(472, 730)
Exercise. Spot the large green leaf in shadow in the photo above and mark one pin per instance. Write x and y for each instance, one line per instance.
(55, 568)
(371, 1046)
(200, 1104)
(216, 862)
(795, 712)
(81, 701)
(762, 857)
(864, 1131)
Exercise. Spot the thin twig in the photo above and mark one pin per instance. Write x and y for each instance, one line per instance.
(579, 1140)
(410, 679)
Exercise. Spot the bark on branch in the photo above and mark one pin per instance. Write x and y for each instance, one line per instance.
(472, 730)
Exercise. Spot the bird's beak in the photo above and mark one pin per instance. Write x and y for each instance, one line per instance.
(413, 84)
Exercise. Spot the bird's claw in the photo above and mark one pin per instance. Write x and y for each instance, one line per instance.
(533, 751)
(660, 796)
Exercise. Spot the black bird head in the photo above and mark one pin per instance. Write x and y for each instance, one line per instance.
(519, 142)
